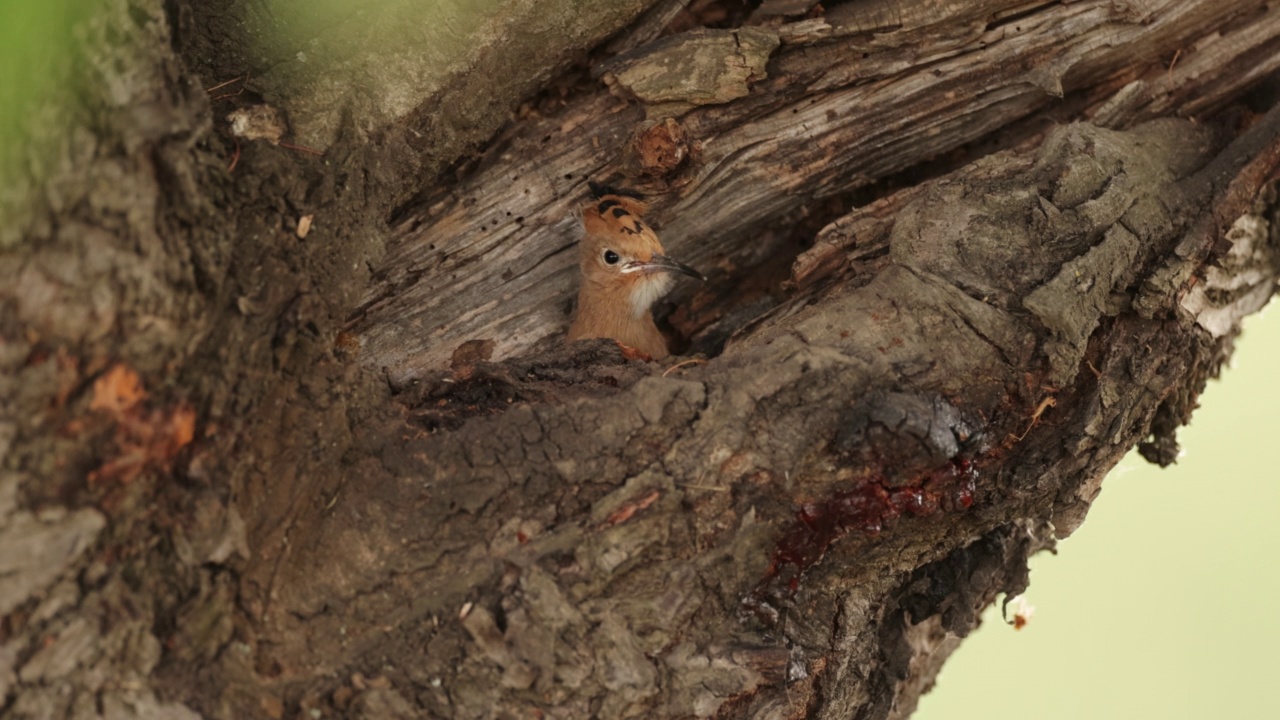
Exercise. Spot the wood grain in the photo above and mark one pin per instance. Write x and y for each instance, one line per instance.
(869, 91)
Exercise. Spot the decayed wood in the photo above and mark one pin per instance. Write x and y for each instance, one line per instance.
(763, 535)
(852, 98)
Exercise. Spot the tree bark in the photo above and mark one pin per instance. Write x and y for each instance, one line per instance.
(962, 258)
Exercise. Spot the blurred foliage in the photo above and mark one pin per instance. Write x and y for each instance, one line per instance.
(36, 67)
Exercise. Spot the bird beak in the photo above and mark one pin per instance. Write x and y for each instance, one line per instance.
(662, 263)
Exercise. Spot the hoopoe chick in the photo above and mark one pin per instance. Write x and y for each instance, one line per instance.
(624, 271)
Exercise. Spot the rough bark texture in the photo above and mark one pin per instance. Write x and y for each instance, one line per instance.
(249, 469)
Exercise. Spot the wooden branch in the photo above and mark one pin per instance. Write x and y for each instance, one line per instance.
(797, 518)
(851, 98)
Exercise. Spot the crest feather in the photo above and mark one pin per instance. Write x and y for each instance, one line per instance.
(615, 213)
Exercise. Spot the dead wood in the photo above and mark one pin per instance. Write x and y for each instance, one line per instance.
(852, 97)
(844, 472)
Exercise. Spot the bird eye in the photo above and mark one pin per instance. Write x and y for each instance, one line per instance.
(611, 257)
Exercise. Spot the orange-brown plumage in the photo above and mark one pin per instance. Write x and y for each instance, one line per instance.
(624, 271)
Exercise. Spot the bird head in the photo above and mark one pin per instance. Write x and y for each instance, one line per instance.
(620, 255)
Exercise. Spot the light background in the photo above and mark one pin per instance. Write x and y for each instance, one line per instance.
(1166, 602)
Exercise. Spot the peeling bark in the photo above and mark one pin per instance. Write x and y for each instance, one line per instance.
(944, 307)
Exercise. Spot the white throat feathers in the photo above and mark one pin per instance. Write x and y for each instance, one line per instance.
(647, 291)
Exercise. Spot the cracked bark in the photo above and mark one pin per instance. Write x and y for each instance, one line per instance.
(941, 308)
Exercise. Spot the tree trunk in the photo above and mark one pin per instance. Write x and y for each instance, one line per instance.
(289, 429)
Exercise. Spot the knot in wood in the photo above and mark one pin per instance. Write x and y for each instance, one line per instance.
(662, 148)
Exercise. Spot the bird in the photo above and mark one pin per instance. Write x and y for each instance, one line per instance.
(624, 271)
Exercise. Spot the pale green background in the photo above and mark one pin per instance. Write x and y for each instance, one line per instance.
(1166, 602)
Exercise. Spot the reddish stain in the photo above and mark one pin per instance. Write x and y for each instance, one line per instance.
(869, 508)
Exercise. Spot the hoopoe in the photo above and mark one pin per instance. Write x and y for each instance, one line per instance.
(624, 271)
